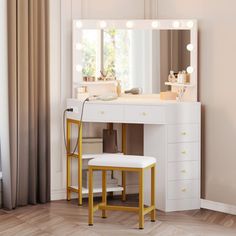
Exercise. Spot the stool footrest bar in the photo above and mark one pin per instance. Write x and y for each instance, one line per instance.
(118, 208)
(148, 209)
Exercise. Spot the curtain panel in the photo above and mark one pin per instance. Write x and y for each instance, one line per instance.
(29, 114)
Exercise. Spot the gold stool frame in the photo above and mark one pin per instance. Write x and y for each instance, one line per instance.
(104, 206)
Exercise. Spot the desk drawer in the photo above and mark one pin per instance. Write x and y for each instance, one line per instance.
(183, 133)
(183, 170)
(183, 189)
(103, 113)
(145, 114)
(183, 152)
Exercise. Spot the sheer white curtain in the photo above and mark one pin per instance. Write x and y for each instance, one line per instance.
(4, 121)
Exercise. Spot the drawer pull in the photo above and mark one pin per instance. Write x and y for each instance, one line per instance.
(184, 190)
(144, 113)
(183, 133)
(183, 152)
(102, 112)
(183, 171)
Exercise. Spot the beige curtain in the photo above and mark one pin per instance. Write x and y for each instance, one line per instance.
(28, 65)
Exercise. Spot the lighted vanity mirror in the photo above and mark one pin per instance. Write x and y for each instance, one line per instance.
(137, 53)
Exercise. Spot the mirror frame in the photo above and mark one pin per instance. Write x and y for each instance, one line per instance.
(154, 24)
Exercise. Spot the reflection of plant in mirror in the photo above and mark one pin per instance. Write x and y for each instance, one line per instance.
(116, 53)
(109, 52)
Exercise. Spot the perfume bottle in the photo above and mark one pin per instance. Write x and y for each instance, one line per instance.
(118, 88)
(184, 75)
(171, 77)
(180, 78)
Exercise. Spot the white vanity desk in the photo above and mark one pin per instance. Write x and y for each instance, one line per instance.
(171, 135)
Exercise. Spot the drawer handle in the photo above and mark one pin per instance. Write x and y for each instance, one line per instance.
(184, 190)
(183, 171)
(183, 133)
(144, 113)
(102, 112)
(183, 152)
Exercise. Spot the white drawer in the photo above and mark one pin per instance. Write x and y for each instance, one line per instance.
(183, 152)
(103, 113)
(183, 133)
(183, 113)
(145, 114)
(183, 170)
(183, 189)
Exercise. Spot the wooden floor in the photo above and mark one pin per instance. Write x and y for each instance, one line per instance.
(66, 218)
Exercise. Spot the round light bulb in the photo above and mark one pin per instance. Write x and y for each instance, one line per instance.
(79, 24)
(176, 24)
(155, 24)
(129, 24)
(79, 68)
(78, 46)
(189, 47)
(103, 24)
(190, 24)
(190, 69)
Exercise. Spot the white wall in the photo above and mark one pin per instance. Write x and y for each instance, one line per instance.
(61, 14)
(217, 50)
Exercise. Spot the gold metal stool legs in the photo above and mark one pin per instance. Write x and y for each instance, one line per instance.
(141, 205)
(90, 196)
(153, 184)
(104, 193)
(141, 210)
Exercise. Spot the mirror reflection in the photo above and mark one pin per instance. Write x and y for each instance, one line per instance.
(138, 58)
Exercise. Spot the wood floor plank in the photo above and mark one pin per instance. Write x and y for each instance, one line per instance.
(67, 218)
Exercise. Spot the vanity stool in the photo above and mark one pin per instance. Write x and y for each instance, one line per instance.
(123, 163)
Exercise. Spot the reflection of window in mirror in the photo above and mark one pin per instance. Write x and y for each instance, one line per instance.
(89, 52)
(124, 54)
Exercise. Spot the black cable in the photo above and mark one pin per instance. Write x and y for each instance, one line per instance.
(81, 117)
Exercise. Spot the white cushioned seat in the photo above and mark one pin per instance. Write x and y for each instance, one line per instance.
(128, 161)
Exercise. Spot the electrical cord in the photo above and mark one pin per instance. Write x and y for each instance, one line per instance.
(64, 118)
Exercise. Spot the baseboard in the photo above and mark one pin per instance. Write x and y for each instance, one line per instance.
(60, 194)
(218, 206)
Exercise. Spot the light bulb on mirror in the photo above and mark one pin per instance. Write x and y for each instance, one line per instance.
(79, 68)
(103, 24)
(129, 24)
(190, 24)
(189, 47)
(79, 24)
(176, 24)
(155, 24)
(190, 69)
